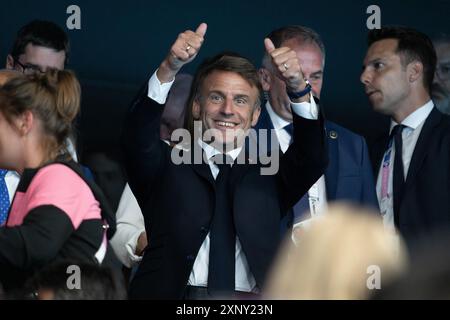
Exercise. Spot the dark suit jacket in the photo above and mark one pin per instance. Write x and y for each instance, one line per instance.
(178, 201)
(348, 176)
(425, 205)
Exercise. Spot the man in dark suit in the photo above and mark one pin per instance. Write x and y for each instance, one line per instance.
(212, 227)
(348, 176)
(413, 159)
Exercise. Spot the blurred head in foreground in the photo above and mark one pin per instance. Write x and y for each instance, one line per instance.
(341, 256)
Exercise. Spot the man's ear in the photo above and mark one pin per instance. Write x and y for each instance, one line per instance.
(414, 71)
(255, 115)
(265, 77)
(9, 62)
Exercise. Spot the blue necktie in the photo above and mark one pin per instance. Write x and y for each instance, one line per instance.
(289, 129)
(4, 198)
(399, 177)
(221, 269)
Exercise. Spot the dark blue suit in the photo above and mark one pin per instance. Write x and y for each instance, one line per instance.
(348, 176)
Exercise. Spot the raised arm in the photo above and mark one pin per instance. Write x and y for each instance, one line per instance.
(145, 154)
(306, 159)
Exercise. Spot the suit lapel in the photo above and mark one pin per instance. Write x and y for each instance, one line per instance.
(239, 169)
(264, 122)
(421, 149)
(331, 173)
(202, 168)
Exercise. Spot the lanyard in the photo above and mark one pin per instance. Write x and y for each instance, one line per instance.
(385, 170)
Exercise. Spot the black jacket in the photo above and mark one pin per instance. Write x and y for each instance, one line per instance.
(178, 201)
(425, 205)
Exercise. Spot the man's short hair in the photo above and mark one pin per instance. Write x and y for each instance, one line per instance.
(303, 34)
(412, 46)
(41, 33)
(226, 61)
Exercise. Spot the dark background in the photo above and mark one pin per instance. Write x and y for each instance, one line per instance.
(122, 42)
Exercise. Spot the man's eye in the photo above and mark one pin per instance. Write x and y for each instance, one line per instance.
(215, 98)
(378, 65)
(241, 101)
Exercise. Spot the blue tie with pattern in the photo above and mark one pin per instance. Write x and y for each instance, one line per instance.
(4, 198)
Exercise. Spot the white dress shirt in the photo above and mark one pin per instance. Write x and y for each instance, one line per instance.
(130, 225)
(317, 194)
(244, 280)
(414, 123)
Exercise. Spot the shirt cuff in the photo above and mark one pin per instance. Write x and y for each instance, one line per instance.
(307, 110)
(131, 249)
(305, 225)
(158, 91)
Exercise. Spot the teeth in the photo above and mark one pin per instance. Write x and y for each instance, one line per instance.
(226, 124)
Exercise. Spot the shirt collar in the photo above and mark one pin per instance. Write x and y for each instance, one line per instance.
(277, 121)
(416, 118)
(12, 174)
(211, 151)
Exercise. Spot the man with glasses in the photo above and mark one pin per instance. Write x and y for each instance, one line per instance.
(441, 84)
(39, 45)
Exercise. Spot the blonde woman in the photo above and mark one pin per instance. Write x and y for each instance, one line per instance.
(342, 255)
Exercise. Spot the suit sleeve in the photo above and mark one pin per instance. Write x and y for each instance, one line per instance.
(145, 153)
(304, 162)
(38, 240)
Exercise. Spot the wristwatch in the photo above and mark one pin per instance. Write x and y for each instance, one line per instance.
(300, 94)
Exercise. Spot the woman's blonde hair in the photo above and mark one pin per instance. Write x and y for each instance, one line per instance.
(336, 257)
(53, 97)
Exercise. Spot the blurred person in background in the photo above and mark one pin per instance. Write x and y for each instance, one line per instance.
(441, 84)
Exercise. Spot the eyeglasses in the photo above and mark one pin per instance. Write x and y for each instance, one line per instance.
(28, 68)
(443, 71)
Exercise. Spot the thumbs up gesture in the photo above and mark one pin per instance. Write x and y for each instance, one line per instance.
(287, 65)
(183, 51)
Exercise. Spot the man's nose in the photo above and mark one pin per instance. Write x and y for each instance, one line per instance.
(227, 107)
(366, 77)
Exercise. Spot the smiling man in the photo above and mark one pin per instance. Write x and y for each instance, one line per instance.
(413, 160)
(213, 227)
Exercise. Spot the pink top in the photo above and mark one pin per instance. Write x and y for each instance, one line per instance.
(59, 186)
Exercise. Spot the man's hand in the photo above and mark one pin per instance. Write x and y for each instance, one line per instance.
(141, 244)
(286, 63)
(183, 51)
